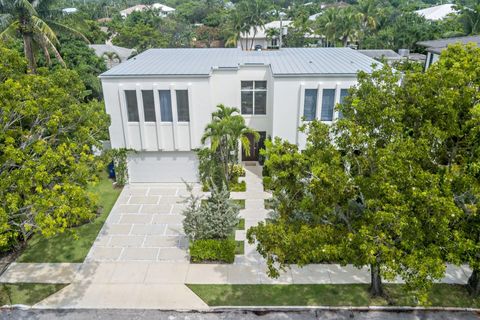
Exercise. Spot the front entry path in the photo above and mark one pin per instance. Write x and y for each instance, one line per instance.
(140, 260)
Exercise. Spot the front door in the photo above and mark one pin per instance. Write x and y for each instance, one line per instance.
(254, 147)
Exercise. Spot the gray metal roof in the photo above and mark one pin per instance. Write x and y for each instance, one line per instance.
(443, 43)
(284, 62)
(101, 49)
(381, 53)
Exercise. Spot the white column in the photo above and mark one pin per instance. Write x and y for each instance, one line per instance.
(319, 100)
(301, 105)
(141, 118)
(191, 124)
(123, 114)
(337, 101)
(174, 117)
(158, 120)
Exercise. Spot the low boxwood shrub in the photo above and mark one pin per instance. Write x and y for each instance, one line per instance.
(212, 250)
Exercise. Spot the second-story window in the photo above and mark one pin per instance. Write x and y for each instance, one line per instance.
(310, 104)
(343, 94)
(254, 97)
(132, 105)
(165, 106)
(328, 102)
(148, 105)
(182, 106)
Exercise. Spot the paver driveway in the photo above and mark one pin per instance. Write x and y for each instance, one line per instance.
(144, 225)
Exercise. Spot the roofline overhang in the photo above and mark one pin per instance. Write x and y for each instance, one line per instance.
(278, 75)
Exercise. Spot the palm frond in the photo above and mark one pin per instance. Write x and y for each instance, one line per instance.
(10, 32)
(64, 28)
(25, 5)
(5, 20)
(41, 27)
(48, 43)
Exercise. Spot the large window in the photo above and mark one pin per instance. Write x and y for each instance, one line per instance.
(343, 94)
(148, 105)
(182, 106)
(165, 106)
(132, 105)
(310, 105)
(254, 97)
(328, 102)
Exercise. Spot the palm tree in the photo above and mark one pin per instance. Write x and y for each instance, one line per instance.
(327, 25)
(236, 26)
(111, 56)
(349, 25)
(225, 133)
(21, 17)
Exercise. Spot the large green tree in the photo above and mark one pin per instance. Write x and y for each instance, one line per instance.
(46, 138)
(366, 191)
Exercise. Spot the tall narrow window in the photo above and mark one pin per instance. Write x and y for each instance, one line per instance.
(165, 106)
(310, 104)
(328, 101)
(148, 105)
(254, 97)
(132, 105)
(182, 106)
(343, 94)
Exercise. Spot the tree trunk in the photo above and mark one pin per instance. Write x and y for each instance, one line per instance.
(473, 283)
(376, 289)
(28, 49)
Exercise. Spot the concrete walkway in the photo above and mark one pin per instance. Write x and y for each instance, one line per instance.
(140, 259)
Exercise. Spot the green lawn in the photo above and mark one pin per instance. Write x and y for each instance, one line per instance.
(64, 247)
(26, 293)
(326, 295)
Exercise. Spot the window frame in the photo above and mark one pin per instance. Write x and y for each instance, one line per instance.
(153, 106)
(332, 108)
(126, 93)
(253, 91)
(188, 105)
(315, 105)
(170, 105)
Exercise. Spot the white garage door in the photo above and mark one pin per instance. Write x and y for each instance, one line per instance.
(163, 167)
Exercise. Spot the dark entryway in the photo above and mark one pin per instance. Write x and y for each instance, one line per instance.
(255, 147)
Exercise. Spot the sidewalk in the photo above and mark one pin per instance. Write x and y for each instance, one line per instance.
(124, 281)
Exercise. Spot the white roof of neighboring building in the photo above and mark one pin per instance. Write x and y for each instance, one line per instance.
(101, 49)
(437, 12)
(261, 31)
(436, 46)
(283, 62)
(381, 54)
(142, 7)
(69, 10)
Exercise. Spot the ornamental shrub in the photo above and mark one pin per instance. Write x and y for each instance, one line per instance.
(215, 218)
(212, 250)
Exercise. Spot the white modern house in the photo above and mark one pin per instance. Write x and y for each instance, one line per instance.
(161, 100)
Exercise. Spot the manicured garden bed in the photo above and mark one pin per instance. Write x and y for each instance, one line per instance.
(239, 202)
(26, 293)
(64, 247)
(441, 295)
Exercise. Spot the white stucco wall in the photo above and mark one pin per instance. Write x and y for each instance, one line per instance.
(283, 116)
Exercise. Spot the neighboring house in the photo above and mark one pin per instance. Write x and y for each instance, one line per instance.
(113, 55)
(262, 37)
(163, 9)
(435, 47)
(69, 10)
(160, 101)
(388, 55)
(437, 12)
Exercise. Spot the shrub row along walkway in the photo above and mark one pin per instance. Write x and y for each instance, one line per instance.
(140, 260)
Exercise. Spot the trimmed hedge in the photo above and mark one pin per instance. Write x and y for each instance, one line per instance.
(212, 250)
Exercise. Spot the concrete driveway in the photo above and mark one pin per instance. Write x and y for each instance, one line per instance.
(144, 225)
